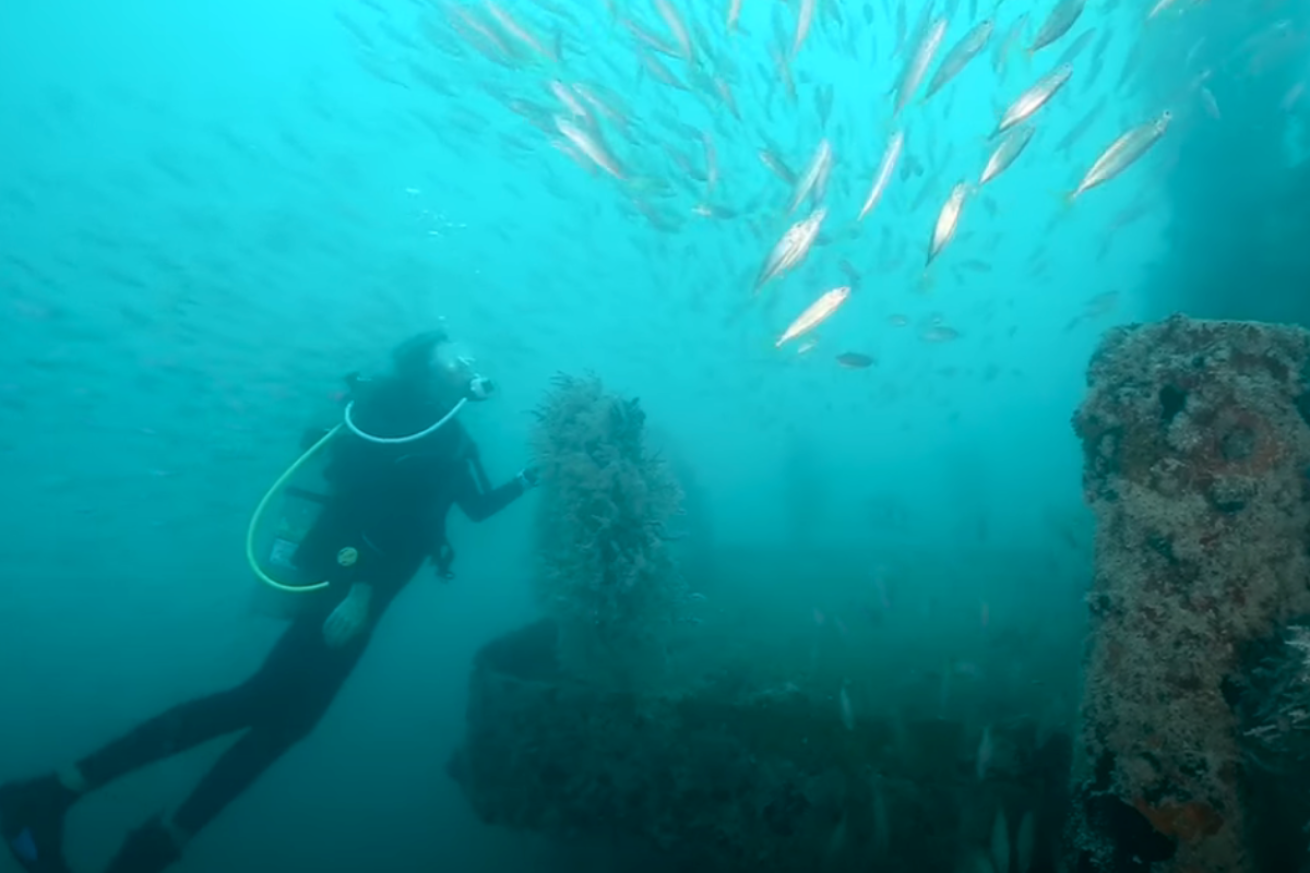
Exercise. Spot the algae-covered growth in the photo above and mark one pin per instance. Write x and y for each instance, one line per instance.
(605, 570)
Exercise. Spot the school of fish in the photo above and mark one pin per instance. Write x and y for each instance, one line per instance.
(720, 80)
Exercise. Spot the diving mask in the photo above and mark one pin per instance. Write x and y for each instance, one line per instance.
(455, 371)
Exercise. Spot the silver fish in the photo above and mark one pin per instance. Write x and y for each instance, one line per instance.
(1057, 24)
(918, 65)
(815, 175)
(885, 171)
(1080, 42)
(1123, 153)
(792, 248)
(964, 51)
(1000, 842)
(1006, 153)
(1081, 126)
(590, 144)
(1027, 103)
(1006, 45)
(948, 221)
(814, 315)
(806, 17)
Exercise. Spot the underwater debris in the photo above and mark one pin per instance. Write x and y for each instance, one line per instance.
(1196, 448)
(604, 568)
(742, 778)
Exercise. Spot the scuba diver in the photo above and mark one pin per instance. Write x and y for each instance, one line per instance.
(397, 464)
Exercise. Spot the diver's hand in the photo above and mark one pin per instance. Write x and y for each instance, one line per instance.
(350, 618)
(528, 477)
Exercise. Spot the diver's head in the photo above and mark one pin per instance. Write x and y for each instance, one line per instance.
(440, 368)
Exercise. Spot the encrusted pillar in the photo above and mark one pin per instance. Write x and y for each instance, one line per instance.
(1197, 448)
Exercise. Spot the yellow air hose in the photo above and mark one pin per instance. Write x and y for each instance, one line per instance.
(259, 515)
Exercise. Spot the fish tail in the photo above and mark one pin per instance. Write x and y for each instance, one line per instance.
(1065, 201)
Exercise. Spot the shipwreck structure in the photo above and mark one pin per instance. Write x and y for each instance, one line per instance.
(725, 778)
(1197, 456)
(718, 764)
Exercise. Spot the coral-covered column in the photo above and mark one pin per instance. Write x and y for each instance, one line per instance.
(1197, 448)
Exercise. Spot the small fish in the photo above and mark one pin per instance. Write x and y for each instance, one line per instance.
(948, 221)
(1123, 153)
(803, 21)
(724, 90)
(882, 832)
(1292, 97)
(847, 713)
(852, 274)
(1100, 305)
(589, 145)
(734, 13)
(823, 102)
(898, 320)
(918, 65)
(1063, 17)
(855, 360)
(1006, 153)
(1025, 842)
(1081, 127)
(677, 28)
(570, 100)
(1208, 101)
(885, 170)
(521, 33)
(940, 333)
(777, 167)
(711, 163)
(602, 103)
(710, 210)
(1160, 7)
(985, 752)
(650, 40)
(815, 175)
(964, 51)
(1080, 42)
(1000, 842)
(1027, 103)
(815, 314)
(659, 71)
(792, 248)
(1006, 46)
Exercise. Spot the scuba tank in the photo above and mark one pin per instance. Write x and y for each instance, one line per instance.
(297, 514)
(286, 514)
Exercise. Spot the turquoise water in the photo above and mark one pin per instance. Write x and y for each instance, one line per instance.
(209, 214)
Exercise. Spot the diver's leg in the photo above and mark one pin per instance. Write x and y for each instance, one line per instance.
(32, 812)
(32, 819)
(307, 683)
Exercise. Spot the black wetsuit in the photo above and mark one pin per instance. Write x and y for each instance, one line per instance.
(388, 504)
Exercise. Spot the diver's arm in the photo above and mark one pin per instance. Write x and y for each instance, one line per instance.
(480, 505)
